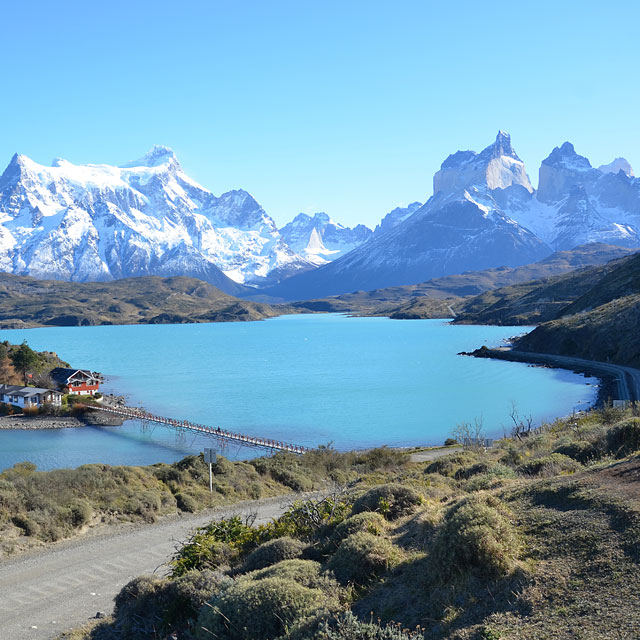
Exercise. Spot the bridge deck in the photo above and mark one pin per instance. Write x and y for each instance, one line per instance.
(133, 413)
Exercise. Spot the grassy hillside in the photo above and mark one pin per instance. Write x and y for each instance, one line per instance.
(608, 333)
(550, 298)
(28, 302)
(535, 538)
(431, 299)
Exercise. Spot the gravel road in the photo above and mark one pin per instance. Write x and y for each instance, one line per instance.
(47, 592)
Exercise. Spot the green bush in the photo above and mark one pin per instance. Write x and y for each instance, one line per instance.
(624, 438)
(186, 502)
(305, 572)
(28, 526)
(551, 465)
(362, 557)
(367, 521)
(261, 609)
(391, 500)
(272, 552)
(449, 465)
(581, 450)
(80, 513)
(382, 458)
(476, 535)
(347, 627)
(149, 607)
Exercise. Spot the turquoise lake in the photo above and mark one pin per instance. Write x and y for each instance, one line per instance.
(307, 379)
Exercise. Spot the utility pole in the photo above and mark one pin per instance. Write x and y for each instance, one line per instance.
(210, 457)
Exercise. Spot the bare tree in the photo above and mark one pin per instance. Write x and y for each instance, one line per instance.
(470, 434)
(522, 426)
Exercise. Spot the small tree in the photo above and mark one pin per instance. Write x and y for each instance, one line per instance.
(24, 358)
(470, 435)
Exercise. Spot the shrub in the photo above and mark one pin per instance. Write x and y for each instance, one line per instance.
(391, 500)
(382, 458)
(361, 557)
(261, 609)
(624, 438)
(186, 503)
(581, 450)
(367, 521)
(304, 572)
(476, 534)
(80, 513)
(149, 607)
(274, 551)
(347, 627)
(28, 526)
(448, 465)
(551, 465)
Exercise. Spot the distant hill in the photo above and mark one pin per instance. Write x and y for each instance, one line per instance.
(547, 299)
(425, 300)
(28, 302)
(602, 323)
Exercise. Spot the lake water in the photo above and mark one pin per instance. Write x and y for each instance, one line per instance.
(307, 379)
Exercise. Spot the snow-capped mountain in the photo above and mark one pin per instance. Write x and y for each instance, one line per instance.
(319, 239)
(395, 217)
(463, 226)
(99, 222)
(576, 203)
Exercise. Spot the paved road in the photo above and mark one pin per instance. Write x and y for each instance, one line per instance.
(50, 591)
(628, 378)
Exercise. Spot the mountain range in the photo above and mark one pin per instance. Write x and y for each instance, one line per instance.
(485, 213)
(147, 217)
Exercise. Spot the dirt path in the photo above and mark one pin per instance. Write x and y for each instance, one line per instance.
(432, 454)
(50, 591)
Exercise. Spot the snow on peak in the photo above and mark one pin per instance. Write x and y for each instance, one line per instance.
(156, 156)
(619, 164)
(567, 158)
(495, 167)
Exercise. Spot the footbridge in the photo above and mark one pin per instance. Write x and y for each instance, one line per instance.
(223, 435)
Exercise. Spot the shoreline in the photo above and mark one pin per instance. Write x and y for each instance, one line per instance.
(27, 423)
(616, 382)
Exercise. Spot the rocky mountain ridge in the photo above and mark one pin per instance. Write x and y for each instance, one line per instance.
(485, 214)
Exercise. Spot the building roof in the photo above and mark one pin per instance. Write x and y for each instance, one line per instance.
(61, 375)
(16, 390)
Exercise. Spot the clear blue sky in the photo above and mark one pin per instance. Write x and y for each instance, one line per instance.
(347, 107)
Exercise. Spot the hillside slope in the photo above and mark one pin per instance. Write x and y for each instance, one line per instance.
(28, 302)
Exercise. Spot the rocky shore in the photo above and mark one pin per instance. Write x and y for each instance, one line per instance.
(40, 422)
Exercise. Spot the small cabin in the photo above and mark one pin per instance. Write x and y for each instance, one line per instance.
(25, 397)
(80, 382)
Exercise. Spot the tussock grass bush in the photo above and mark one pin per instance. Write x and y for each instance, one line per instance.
(272, 552)
(550, 465)
(391, 500)
(149, 607)
(582, 451)
(476, 535)
(624, 438)
(186, 503)
(495, 475)
(261, 609)
(308, 573)
(362, 557)
(347, 627)
(451, 464)
(367, 522)
(382, 458)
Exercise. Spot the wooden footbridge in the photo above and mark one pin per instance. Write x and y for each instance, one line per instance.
(224, 436)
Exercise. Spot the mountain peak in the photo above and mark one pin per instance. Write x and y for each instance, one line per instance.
(566, 157)
(496, 167)
(619, 164)
(156, 156)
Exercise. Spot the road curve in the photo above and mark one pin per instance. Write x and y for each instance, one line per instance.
(47, 592)
(627, 378)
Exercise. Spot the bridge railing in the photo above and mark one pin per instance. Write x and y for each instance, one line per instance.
(251, 441)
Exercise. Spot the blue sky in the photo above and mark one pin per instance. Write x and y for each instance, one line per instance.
(347, 107)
